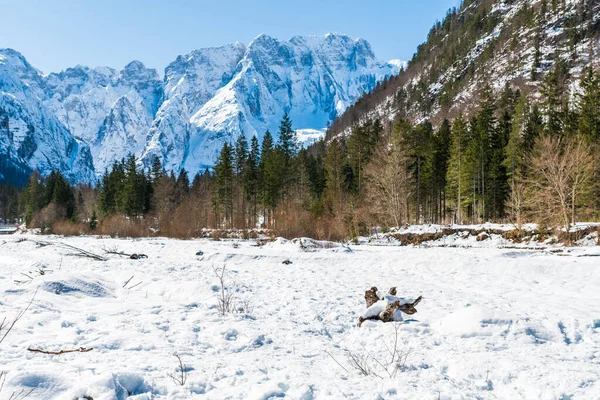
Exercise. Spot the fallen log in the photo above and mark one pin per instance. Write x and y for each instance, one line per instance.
(58, 353)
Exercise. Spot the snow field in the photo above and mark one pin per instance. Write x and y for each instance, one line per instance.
(493, 323)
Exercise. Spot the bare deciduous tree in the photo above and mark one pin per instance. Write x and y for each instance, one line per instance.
(516, 202)
(561, 171)
(388, 176)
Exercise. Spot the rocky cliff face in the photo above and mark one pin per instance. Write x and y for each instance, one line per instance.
(219, 94)
(82, 119)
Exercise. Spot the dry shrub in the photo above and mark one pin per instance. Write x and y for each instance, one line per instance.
(560, 182)
(187, 222)
(291, 221)
(121, 226)
(48, 216)
(69, 228)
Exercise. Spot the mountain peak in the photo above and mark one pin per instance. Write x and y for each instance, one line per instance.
(207, 97)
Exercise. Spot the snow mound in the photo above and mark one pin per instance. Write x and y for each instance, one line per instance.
(120, 386)
(474, 321)
(79, 287)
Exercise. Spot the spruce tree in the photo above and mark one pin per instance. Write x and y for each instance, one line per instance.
(157, 169)
(457, 179)
(63, 195)
(287, 139)
(182, 187)
(34, 196)
(288, 149)
(133, 195)
(440, 157)
(515, 162)
(224, 181)
(240, 159)
(252, 178)
(589, 105)
(93, 221)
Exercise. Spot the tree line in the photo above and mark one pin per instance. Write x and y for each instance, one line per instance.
(514, 160)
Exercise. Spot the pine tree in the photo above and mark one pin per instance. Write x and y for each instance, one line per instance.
(456, 175)
(182, 187)
(589, 106)
(515, 161)
(34, 196)
(440, 157)
(252, 181)
(316, 173)
(537, 55)
(93, 221)
(224, 181)
(287, 139)
(555, 93)
(112, 189)
(240, 159)
(418, 142)
(288, 150)
(63, 195)
(157, 169)
(361, 145)
(133, 196)
(334, 169)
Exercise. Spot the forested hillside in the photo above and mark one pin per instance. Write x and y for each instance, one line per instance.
(511, 42)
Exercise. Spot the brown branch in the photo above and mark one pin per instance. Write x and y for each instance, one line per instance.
(79, 350)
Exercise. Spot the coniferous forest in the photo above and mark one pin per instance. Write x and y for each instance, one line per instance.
(514, 160)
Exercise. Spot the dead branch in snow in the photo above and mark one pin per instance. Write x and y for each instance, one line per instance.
(128, 280)
(78, 252)
(7, 325)
(58, 353)
(368, 364)
(30, 275)
(181, 377)
(116, 251)
(14, 395)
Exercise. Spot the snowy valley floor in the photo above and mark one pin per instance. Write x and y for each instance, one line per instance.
(493, 324)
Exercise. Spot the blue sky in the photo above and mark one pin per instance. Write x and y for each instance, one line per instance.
(57, 34)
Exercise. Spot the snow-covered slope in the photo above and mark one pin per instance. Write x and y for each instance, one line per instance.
(207, 97)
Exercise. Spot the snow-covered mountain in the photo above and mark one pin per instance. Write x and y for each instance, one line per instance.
(217, 94)
(83, 119)
(109, 110)
(31, 136)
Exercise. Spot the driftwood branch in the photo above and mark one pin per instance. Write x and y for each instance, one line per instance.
(78, 252)
(58, 353)
(119, 253)
(7, 325)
